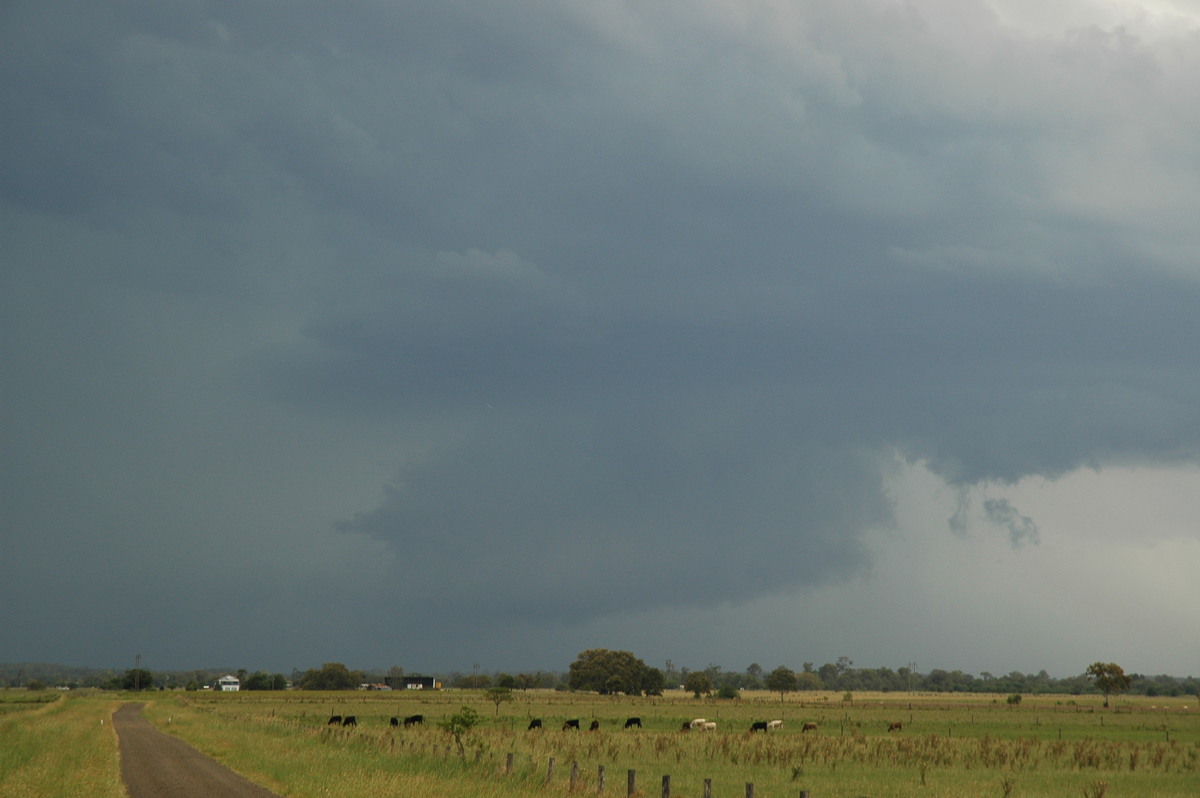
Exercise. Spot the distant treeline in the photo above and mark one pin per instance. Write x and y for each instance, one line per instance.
(841, 676)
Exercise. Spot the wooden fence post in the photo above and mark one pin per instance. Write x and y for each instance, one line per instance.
(600, 780)
(666, 786)
(550, 770)
(631, 783)
(508, 764)
(574, 776)
(749, 789)
(708, 788)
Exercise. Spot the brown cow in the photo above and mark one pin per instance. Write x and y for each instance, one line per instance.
(808, 726)
(895, 726)
(595, 726)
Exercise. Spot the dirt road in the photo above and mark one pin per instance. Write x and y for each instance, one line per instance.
(157, 765)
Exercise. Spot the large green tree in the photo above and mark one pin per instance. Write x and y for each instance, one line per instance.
(781, 680)
(1109, 677)
(331, 676)
(138, 679)
(609, 672)
(654, 682)
(697, 683)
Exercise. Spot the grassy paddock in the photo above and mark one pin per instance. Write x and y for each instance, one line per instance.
(950, 745)
(53, 746)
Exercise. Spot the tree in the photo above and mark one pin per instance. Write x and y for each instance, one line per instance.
(653, 682)
(138, 679)
(498, 695)
(608, 672)
(1109, 677)
(331, 676)
(727, 690)
(781, 680)
(459, 724)
(808, 680)
(261, 680)
(473, 681)
(697, 683)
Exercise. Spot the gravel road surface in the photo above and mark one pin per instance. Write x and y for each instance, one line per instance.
(157, 765)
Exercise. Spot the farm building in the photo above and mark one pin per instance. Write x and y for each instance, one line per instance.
(229, 684)
(414, 683)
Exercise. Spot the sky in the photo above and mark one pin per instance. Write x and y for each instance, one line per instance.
(459, 333)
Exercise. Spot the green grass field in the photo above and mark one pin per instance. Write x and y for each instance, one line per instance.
(55, 747)
(950, 745)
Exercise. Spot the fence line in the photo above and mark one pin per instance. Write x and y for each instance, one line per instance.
(631, 790)
(576, 782)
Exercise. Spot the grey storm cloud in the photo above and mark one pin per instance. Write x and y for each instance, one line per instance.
(556, 313)
(1021, 528)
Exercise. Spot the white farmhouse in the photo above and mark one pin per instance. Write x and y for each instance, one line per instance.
(229, 684)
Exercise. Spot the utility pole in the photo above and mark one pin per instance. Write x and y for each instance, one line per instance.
(137, 673)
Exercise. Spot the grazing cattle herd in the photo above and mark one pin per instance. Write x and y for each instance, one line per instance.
(696, 724)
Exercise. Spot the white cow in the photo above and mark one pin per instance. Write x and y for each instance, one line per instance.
(775, 724)
(710, 726)
(698, 723)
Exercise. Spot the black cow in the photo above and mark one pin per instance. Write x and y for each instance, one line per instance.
(633, 722)
(334, 720)
(571, 724)
(595, 726)
(414, 720)
(758, 725)
(394, 722)
(349, 720)
(536, 723)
